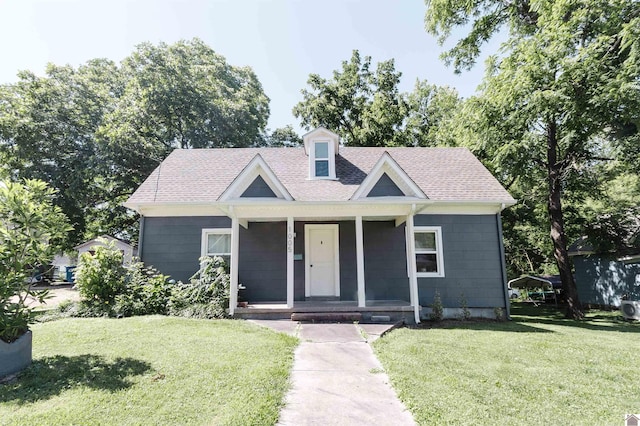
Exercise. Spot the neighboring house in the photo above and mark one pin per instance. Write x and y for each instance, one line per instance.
(126, 249)
(604, 278)
(324, 223)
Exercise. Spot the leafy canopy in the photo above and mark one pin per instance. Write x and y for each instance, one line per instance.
(366, 108)
(95, 132)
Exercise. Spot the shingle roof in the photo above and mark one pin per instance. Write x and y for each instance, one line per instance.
(202, 175)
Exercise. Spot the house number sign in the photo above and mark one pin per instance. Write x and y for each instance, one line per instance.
(290, 235)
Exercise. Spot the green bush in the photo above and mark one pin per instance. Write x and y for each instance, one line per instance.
(206, 295)
(100, 277)
(437, 310)
(146, 292)
(30, 224)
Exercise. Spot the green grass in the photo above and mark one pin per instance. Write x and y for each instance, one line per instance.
(150, 370)
(539, 369)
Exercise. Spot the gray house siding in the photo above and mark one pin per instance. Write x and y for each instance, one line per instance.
(602, 280)
(471, 246)
(385, 261)
(173, 244)
(262, 264)
(385, 187)
(258, 189)
(472, 262)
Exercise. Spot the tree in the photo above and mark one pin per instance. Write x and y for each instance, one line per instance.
(47, 132)
(97, 131)
(282, 136)
(30, 227)
(366, 108)
(566, 78)
(430, 110)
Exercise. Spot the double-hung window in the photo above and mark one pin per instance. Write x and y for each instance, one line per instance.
(321, 159)
(217, 242)
(429, 258)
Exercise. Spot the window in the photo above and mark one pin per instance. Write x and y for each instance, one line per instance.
(429, 259)
(217, 242)
(321, 159)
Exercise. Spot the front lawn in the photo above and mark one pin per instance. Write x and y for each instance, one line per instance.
(150, 370)
(539, 369)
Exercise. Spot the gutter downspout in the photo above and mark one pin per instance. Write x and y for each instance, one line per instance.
(141, 237)
(503, 266)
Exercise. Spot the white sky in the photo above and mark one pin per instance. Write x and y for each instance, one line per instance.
(283, 41)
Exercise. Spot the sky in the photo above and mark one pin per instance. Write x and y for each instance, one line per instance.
(283, 41)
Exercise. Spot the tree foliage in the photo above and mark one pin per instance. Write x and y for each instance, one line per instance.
(566, 80)
(366, 108)
(281, 137)
(96, 131)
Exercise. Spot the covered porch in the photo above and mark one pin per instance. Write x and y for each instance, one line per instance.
(324, 259)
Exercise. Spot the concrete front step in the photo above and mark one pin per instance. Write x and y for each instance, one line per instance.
(326, 316)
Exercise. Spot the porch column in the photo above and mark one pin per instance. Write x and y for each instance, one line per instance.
(235, 253)
(290, 249)
(411, 265)
(360, 262)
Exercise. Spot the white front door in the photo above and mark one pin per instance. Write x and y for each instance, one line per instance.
(322, 261)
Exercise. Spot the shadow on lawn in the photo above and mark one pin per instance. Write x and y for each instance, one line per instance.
(488, 325)
(594, 320)
(50, 376)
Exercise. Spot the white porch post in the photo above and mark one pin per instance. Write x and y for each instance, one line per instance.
(290, 250)
(411, 264)
(235, 252)
(360, 262)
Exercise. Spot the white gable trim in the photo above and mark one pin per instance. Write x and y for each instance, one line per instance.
(386, 164)
(256, 167)
(320, 133)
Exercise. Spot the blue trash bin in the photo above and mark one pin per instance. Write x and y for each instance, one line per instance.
(70, 270)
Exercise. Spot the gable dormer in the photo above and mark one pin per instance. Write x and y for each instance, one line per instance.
(321, 146)
(256, 180)
(387, 179)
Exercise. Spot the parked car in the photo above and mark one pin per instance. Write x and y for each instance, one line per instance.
(514, 293)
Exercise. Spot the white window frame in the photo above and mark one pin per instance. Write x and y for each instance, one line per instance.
(438, 251)
(331, 159)
(205, 237)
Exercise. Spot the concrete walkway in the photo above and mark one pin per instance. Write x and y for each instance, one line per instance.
(336, 378)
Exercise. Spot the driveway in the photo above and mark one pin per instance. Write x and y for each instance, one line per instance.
(336, 378)
(58, 295)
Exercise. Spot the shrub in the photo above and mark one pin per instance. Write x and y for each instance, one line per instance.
(100, 277)
(437, 310)
(206, 295)
(29, 224)
(146, 292)
(465, 314)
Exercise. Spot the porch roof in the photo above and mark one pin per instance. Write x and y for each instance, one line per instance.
(202, 175)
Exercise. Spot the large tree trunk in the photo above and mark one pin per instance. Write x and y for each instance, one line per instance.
(554, 206)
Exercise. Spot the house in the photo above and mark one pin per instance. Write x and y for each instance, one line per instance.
(603, 278)
(127, 250)
(337, 226)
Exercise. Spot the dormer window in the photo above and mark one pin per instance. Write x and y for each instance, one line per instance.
(321, 161)
(321, 146)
